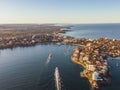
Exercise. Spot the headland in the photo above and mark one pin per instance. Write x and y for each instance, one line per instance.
(94, 56)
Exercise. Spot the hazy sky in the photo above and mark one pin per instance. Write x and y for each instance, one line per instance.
(59, 11)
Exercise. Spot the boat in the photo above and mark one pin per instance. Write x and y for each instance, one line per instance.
(58, 44)
(49, 56)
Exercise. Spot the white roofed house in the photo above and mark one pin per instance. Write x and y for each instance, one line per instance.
(91, 67)
(95, 76)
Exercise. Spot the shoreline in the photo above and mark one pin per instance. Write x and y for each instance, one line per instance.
(26, 35)
(92, 55)
(94, 84)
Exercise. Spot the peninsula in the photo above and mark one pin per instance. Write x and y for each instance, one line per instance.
(94, 56)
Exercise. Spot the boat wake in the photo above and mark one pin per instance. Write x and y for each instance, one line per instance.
(57, 79)
(49, 58)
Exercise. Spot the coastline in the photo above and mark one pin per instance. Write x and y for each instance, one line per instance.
(94, 84)
(98, 47)
(93, 56)
(28, 35)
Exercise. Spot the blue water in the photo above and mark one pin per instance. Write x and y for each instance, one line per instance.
(95, 31)
(26, 68)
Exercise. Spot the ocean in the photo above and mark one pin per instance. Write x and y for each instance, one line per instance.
(95, 31)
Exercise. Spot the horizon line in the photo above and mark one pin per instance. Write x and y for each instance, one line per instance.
(57, 23)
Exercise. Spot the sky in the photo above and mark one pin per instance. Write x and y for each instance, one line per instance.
(59, 11)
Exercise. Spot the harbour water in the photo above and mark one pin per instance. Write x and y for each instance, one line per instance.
(26, 68)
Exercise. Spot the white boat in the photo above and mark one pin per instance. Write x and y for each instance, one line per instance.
(50, 55)
(58, 44)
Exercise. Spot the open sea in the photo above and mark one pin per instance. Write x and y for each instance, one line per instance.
(31, 68)
(95, 31)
